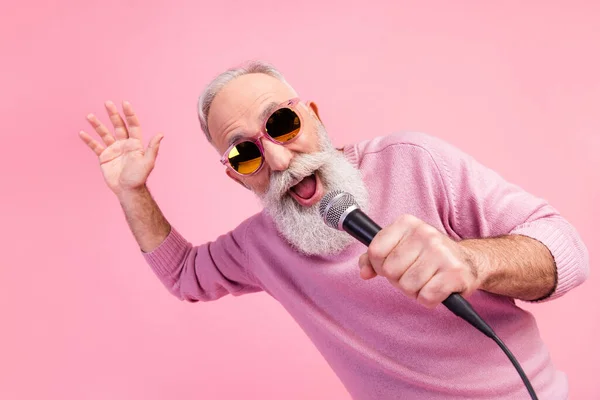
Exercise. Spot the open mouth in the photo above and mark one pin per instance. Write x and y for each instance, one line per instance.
(308, 191)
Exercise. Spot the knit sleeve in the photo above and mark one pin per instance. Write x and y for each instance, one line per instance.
(206, 272)
(483, 204)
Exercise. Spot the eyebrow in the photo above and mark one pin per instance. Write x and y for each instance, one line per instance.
(268, 110)
(263, 115)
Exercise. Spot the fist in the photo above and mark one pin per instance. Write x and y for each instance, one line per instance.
(421, 261)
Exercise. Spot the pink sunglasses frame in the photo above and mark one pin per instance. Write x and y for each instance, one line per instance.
(292, 105)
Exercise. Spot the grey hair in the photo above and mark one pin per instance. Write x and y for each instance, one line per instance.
(214, 87)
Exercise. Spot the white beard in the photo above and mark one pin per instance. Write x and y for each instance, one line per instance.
(303, 226)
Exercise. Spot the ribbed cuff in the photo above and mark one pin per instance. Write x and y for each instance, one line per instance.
(570, 260)
(169, 254)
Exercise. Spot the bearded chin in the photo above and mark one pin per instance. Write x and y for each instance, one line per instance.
(302, 227)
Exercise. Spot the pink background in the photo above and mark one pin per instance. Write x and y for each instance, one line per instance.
(82, 315)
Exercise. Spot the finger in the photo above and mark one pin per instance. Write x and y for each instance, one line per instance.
(101, 130)
(466, 284)
(116, 120)
(366, 269)
(152, 151)
(92, 144)
(386, 240)
(416, 277)
(402, 257)
(133, 124)
(363, 260)
(367, 272)
(437, 290)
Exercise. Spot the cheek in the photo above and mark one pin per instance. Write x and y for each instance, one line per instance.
(259, 183)
(309, 141)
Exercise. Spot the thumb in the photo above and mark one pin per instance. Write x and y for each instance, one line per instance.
(366, 269)
(152, 150)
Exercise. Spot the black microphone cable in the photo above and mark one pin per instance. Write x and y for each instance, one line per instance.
(340, 211)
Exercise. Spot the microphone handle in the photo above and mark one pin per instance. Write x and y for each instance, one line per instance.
(364, 229)
(462, 308)
(360, 226)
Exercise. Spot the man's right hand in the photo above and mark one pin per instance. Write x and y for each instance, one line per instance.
(124, 162)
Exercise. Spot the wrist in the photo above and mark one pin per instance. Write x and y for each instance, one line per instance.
(129, 194)
(478, 259)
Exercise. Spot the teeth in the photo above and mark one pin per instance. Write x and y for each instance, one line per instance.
(297, 181)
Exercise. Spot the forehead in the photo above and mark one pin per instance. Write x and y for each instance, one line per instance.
(238, 105)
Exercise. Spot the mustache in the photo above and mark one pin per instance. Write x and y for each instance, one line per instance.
(301, 166)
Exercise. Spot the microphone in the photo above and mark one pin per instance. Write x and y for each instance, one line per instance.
(340, 211)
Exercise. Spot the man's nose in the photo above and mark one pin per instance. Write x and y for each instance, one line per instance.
(278, 157)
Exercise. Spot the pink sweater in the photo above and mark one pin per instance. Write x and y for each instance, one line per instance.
(381, 344)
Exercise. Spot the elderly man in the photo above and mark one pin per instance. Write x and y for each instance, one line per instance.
(450, 225)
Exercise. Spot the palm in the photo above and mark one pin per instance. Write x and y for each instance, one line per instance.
(124, 162)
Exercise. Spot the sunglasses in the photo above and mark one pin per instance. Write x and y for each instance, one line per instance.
(246, 156)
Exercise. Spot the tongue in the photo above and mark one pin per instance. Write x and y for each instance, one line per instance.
(306, 187)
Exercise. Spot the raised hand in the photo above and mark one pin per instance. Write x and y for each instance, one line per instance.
(124, 162)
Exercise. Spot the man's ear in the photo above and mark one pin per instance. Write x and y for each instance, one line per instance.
(236, 178)
(313, 106)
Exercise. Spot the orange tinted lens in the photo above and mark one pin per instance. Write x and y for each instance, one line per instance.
(283, 125)
(245, 157)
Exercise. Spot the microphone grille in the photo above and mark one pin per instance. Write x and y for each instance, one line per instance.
(334, 205)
